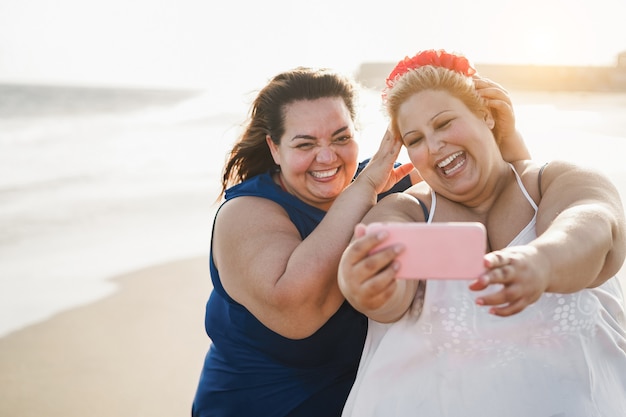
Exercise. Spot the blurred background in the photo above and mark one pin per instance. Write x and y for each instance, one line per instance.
(116, 116)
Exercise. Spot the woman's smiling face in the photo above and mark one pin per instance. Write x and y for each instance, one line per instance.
(318, 153)
(450, 146)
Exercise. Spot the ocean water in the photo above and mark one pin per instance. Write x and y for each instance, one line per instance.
(99, 182)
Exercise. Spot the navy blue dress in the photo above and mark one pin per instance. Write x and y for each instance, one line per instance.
(251, 370)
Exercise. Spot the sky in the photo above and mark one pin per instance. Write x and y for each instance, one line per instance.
(233, 44)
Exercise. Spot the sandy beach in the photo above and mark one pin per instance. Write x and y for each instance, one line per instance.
(135, 353)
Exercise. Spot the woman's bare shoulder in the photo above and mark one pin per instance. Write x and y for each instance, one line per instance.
(404, 207)
(246, 216)
(544, 174)
(248, 226)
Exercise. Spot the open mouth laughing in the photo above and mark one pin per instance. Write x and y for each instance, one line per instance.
(452, 163)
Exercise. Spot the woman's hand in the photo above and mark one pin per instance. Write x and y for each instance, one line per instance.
(524, 274)
(499, 102)
(368, 280)
(380, 171)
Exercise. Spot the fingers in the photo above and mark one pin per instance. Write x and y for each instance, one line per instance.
(496, 98)
(500, 275)
(497, 259)
(375, 292)
(364, 258)
(379, 170)
(497, 272)
(512, 299)
(519, 285)
(359, 230)
(364, 253)
(509, 300)
(388, 150)
(367, 272)
(482, 82)
(493, 92)
(509, 310)
(390, 143)
(403, 170)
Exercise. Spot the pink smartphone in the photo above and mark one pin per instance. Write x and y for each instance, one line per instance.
(447, 250)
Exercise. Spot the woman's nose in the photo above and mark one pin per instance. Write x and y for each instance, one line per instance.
(435, 143)
(326, 155)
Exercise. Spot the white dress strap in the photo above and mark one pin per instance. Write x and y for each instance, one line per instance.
(521, 186)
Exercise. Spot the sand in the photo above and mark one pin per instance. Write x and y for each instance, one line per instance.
(135, 353)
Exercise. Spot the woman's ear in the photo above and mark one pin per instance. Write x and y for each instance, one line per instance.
(488, 118)
(273, 149)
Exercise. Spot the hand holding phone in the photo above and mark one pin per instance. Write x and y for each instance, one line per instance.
(447, 250)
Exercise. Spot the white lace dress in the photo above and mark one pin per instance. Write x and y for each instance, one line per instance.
(564, 356)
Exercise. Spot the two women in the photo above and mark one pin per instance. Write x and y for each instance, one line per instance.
(284, 340)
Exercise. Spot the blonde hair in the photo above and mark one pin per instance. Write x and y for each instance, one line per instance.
(431, 77)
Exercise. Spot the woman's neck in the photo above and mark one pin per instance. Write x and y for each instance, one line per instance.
(479, 205)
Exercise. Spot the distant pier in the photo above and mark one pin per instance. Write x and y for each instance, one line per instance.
(526, 77)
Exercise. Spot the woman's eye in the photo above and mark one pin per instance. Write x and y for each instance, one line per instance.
(343, 139)
(305, 145)
(412, 140)
(444, 124)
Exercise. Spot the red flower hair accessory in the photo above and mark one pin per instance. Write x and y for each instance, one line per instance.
(439, 58)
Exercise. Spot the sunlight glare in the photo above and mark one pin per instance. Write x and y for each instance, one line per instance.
(542, 46)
